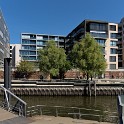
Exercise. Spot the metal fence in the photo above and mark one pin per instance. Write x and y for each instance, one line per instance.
(74, 112)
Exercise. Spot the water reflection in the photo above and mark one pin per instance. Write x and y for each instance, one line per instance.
(108, 103)
(103, 103)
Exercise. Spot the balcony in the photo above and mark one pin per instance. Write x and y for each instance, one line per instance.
(99, 35)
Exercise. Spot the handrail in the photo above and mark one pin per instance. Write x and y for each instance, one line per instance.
(19, 107)
(14, 95)
(74, 111)
(120, 108)
(69, 107)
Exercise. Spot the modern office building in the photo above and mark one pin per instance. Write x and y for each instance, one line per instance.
(4, 40)
(30, 43)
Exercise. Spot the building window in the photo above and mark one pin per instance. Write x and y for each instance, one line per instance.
(56, 38)
(113, 27)
(103, 50)
(98, 27)
(25, 57)
(25, 36)
(114, 35)
(112, 66)
(45, 37)
(39, 48)
(32, 58)
(32, 36)
(113, 43)
(10, 47)
(24, 53)
(28, 41)
(119, 28)
(101, 42)
(25, 41)
(98, 34)
(52, 38)
(120, 64)
(1, 33)
(112, 58)
(39, 37)
(119, 58)
(41, 43)
(25, 47)
(113, 51)
(120, 51)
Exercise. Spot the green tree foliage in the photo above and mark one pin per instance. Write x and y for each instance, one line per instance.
(65, 68)
(51, 59)
(87, 56)
(24, 69)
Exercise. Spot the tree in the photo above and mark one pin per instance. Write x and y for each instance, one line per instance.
(87, 56)
(65, 68)
(24, 69)
(51, 59)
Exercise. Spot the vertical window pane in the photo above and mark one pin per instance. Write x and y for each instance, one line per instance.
(112, 66)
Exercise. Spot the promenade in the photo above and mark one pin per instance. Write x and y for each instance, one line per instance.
(62, 120)
(10, 118)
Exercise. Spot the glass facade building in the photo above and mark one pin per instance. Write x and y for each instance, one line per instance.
(30, 43)
(4, 40)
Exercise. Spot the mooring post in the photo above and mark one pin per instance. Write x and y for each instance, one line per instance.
(94, 88)
(89, 88)
(7, 75)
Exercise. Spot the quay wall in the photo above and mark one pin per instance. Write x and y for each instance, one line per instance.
(105, 87)
(109, 91)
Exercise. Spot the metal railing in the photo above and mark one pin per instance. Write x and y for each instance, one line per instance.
(120, 104)
(12, 103)
(74, 112)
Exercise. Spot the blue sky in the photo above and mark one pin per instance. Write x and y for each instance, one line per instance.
(57, 17)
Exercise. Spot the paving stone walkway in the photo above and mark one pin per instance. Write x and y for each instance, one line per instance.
(62, 120)
(10, 118)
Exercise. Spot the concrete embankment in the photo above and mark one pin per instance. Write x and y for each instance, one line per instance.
(77, 88)
(111, 91)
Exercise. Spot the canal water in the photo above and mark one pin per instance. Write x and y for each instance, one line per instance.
(102, 103)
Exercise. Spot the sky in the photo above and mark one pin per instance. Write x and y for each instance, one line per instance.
(56, 17)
